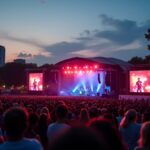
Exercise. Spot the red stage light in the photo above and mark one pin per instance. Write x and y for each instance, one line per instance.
(86, 67)
(75, 67)
(80, 71)
(95, 66)
(76, 72)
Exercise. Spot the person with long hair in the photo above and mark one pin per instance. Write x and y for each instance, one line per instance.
(144, 140)
(130, 129)
(84, 115)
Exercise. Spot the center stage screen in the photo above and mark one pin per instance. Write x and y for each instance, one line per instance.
(140, 81)
(35, 81)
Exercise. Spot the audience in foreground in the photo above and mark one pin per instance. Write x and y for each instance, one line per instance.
(15, 124)
(73, 123)
(109, 132)
(130, 129)
(144, 140)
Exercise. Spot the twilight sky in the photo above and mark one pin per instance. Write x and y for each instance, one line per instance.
(47, 31)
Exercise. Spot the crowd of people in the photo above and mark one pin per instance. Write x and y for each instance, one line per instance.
(65, 123)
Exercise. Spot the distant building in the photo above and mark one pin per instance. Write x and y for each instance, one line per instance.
(2, 55)
(20, 61)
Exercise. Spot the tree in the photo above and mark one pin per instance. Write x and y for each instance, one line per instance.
(13, 74)
(147, 36)
(136, 60)
(147, 59)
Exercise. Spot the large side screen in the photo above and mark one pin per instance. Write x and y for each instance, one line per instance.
(35, 81)
(139, 81)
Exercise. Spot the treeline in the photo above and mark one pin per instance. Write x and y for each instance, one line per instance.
(139, 60)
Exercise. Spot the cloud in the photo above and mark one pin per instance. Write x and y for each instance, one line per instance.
(132, 46)
(40, 59)
(43, 1)
(86, 53)
(24, 55)
(65, 47)
(122, 31)
(8, 36)
(127, 54)
(119, 38)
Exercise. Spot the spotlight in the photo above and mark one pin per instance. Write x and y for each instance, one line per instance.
(76, 72)
(86, 67)
(95, 66)
(65, 72)
(75, 67)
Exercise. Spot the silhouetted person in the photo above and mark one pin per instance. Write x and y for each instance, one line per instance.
(108, 131)
(15, 124)
(60, 125)
(144, 140)
(33, 124)
(78, 138)
(130, 129)
(42, 129)
(35, 85)
(146, 116)
(139, 85)
(84, 115)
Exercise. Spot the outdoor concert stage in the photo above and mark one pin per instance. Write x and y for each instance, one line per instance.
(105, 77)
(77, 77)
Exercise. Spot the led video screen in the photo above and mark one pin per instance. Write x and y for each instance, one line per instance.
(140, 81)
(35, 81)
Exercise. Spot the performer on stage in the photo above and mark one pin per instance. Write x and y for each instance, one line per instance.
(139, 85)
(35, 85)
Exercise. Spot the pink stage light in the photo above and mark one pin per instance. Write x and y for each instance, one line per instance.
(86, 67)
(75, 71)
(75, 67)
(79, 69)
(95, 66)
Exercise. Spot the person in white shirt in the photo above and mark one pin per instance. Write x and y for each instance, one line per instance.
(60, 125)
